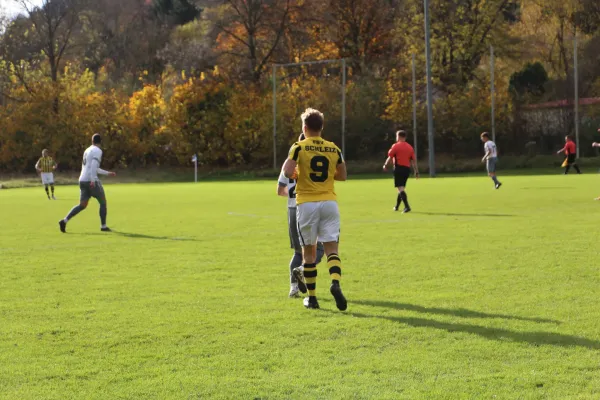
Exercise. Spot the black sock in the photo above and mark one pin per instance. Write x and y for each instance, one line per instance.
(52, 188)
(399, 200)
(103, 213)
(576, 168)
(47, 193)
(567, 169)
(405, 199)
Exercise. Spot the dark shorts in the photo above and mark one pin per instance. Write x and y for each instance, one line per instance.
(401, 175)
(491, 164)
(86, 192)
(571, 158)
(293, 229)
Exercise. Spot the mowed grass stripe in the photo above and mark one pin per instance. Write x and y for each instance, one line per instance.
(477, 293)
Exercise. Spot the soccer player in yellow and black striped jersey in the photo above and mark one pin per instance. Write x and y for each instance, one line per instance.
(318, 163)
(46, 166)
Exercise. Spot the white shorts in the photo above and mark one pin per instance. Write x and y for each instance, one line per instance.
(318, 221)
(47, 178)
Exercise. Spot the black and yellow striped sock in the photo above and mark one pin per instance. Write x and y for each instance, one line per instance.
(335, 267)
(310, 276)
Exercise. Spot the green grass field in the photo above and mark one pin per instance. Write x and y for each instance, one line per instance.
(476, 294)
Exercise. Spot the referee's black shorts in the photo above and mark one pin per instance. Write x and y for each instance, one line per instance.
(571, 158)
(401, 175)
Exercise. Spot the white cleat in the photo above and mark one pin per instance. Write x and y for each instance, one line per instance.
(294, 291)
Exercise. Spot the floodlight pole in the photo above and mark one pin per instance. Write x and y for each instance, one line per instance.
(430, 132)
(576, 78)
(344, 107)
(493, 92)
(274, 116)
(414, 93)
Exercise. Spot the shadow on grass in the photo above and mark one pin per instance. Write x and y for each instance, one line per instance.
(462, 214)
(141, 236)
(458, 312)
(535, 338)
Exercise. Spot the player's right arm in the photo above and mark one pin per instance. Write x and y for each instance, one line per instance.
(289, 167)
(389, 160)
(282, 189)
(37, 165)
(387, 163)
(487, 153)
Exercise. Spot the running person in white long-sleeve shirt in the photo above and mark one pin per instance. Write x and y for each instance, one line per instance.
(89, 184)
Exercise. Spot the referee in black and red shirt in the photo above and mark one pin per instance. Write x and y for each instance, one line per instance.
(570, 151)
(402, 155)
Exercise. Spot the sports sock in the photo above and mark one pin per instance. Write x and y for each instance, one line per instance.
(567, 169)
(295, 263)
(52, 188)
(495, 179)
(74, 211)
(335, 267)
(399, 200)
(405, 199)
(103, 213)
(46, 188)
(576, 168)
(310, 276)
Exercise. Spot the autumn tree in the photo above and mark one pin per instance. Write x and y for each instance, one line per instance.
(53, 27)
(249, 32)
(361, 29)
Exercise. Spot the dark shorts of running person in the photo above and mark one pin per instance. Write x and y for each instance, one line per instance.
(571, 158)
(401, 175)
(86, 192)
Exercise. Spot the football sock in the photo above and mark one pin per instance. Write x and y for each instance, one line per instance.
(576, 168)
(74, 211)
(310, 276)
(103, 212)
(335, 267)
(567, 169)
(47, 193)
(405, 199)
(52, 188)
(495, 179)
(295, 263)
(399, 200)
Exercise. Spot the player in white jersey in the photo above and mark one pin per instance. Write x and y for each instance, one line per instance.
(89, 184)
(287, 188)
(490, 158)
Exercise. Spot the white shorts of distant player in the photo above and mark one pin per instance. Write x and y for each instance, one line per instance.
(47, 178)
(318, 221)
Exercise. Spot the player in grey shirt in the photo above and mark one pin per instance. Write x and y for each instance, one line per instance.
(490, 158)
(89, 184)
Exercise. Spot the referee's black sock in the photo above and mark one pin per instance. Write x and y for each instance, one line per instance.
(399, 200)
(405, 199)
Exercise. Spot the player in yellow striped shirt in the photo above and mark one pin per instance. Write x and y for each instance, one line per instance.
(45, 167)
(319, 163)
